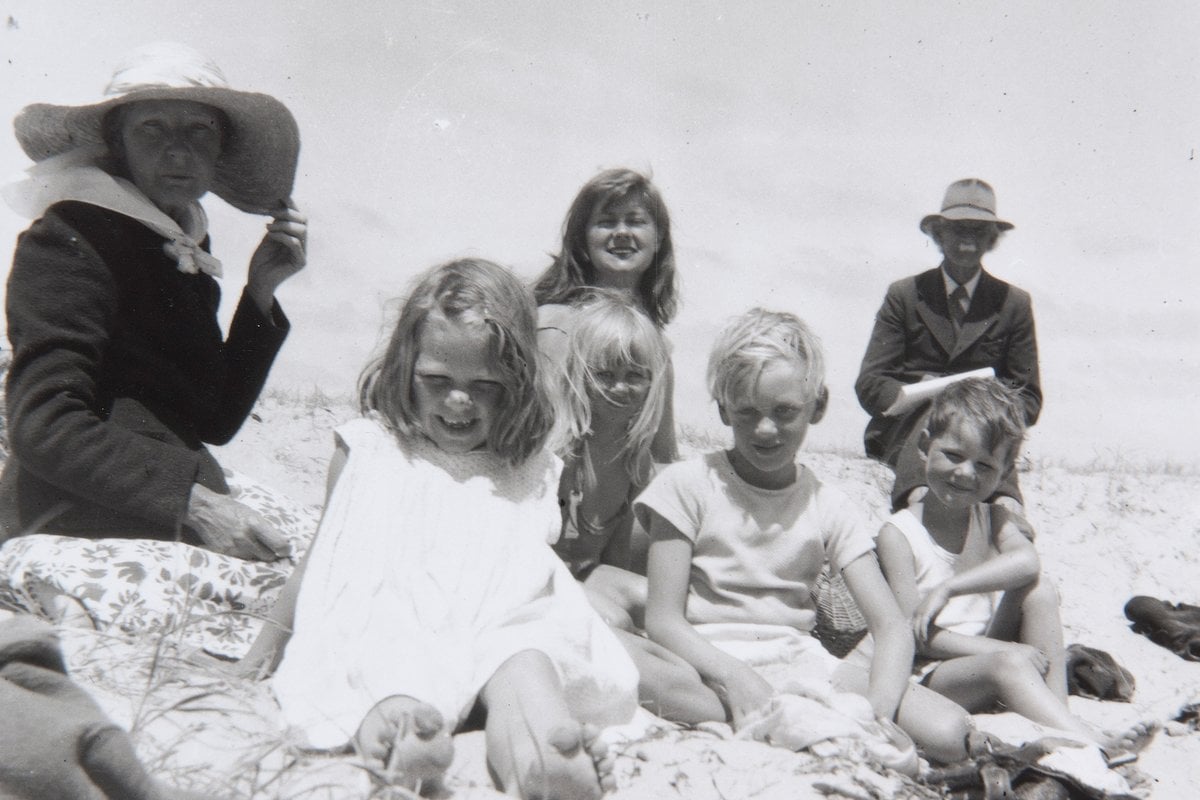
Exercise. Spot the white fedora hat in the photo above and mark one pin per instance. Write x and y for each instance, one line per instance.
(969, 198)
(257, 165)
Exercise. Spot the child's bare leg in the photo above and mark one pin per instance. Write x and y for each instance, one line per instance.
(266, 652)
(536, 749)
(938, 726)
(1030, 615)
(1011, 678)
(977, 682)
(405, 741)
(669, 686)
(1041, 627)
(618, 595)
(611, 612)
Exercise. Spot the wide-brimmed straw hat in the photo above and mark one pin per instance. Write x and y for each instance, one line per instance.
(257, 165)
(971, 199)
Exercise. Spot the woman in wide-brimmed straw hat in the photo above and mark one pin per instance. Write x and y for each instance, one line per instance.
(120, 373)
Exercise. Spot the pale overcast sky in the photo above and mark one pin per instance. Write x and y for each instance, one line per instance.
(797, 144)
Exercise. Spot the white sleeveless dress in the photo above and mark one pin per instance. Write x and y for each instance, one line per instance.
(429, 570)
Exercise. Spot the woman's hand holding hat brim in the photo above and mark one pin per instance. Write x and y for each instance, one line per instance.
(282, 253)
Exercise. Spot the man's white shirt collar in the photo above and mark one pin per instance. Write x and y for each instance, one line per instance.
(951, 284)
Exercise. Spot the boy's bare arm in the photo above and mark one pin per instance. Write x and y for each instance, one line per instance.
(1012, 532)
(898, 565)
(892, 660)
(944, 644)
(668, 572)
(1016, 565)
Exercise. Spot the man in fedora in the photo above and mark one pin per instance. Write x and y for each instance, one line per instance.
(949, 320)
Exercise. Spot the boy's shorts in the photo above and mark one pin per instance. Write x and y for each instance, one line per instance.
(778, 652)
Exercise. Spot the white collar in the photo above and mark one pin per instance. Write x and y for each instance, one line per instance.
(952, 284)
(74, 175)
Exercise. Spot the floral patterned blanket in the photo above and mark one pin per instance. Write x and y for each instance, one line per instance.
(199, 598)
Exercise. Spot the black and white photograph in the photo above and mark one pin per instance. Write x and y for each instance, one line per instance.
(641, 400)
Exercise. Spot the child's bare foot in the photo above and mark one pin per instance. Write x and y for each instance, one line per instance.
(1122, 747)
(557, 762)
(536, 749)
(603, 756)
(405, 742)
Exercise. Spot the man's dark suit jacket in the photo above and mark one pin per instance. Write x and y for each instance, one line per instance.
(914, 337)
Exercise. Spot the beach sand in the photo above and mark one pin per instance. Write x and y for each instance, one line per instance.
(1105, 534)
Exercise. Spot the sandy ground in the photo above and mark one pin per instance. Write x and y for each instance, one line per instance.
(1104, 536)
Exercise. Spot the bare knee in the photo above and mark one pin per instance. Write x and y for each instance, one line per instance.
(670, 687)
(527, 674)
(942, 737)
(1042, 596)
(937, 724)
(681, 680)
(614, 615)
(1009, 666)
(622, 586)
(619, 589)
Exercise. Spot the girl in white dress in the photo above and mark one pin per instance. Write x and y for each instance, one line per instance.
(431, 584)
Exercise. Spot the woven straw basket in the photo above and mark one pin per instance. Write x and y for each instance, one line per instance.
(840, 625)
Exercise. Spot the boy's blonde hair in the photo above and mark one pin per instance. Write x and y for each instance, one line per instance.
(608, 330)
(754, 339)
(484, 294)
(991, 406)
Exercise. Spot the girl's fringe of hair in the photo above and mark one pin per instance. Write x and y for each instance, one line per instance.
(480, 292)
(609, 331)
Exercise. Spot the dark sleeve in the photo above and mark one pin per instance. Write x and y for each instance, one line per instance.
(62, 311)
(877, 385)
(250, 349)
(1020, 368)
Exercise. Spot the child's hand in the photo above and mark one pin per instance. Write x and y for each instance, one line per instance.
(926, 613)
(745, 695)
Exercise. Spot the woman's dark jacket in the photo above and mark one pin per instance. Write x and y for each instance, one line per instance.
(119, 376)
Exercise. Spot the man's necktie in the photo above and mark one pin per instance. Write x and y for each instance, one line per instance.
(958, 305)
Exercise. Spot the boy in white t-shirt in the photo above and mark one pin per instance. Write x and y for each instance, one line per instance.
(986, 621)
(740, 536)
